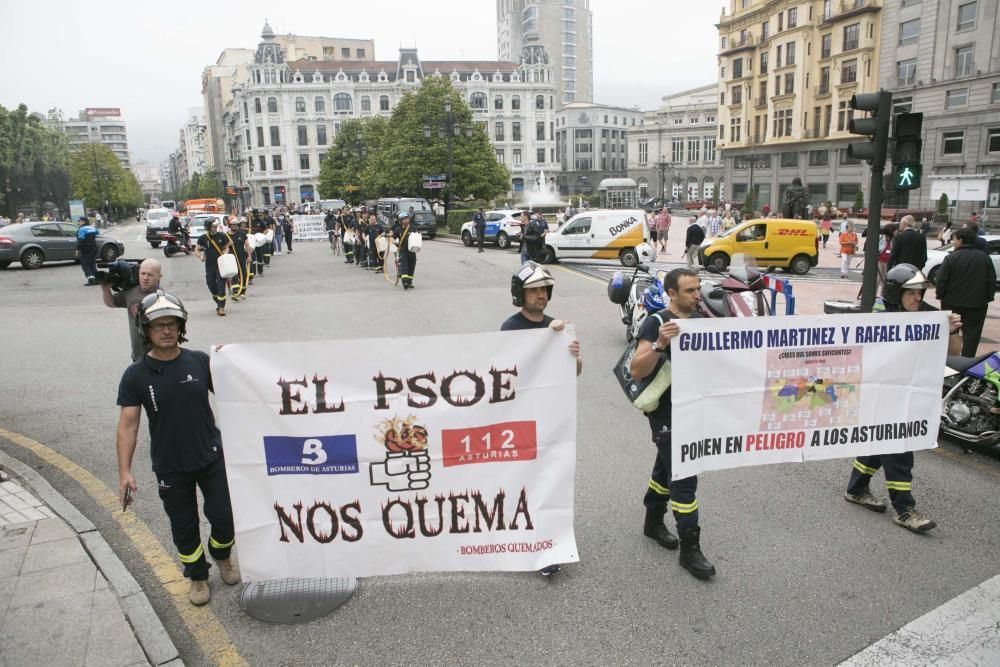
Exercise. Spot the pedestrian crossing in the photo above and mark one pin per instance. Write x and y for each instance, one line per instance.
(605, 270)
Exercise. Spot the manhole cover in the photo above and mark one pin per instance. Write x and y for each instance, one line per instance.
(295, 600)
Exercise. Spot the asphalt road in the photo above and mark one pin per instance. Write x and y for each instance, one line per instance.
(804, 578)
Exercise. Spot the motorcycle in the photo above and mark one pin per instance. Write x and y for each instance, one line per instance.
(740, 293)
(173, 244)
(636, 296)
(970, 407)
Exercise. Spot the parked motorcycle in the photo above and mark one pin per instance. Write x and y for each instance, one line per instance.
(740, 293)
(173, 245)
(637, 296)
(970, 409)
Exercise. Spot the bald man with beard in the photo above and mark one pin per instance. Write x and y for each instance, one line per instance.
(149, 281)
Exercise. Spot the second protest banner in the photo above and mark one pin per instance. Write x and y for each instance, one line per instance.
(771, 390)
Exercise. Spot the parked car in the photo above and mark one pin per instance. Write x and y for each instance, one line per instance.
(424, 220)
(34, 243)
(198, 225)
(157, 220)
(503, 227)
(936, 255)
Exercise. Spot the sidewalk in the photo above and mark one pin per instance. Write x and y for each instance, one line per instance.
(65, 597)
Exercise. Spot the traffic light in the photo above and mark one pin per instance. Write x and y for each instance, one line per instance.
(874, 126)
(906, 167)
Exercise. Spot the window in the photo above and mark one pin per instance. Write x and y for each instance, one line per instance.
(360, 53)
(952, 143)
(737, 94)
(677, 150)
(366, 104)
(819, 158)
(765, 30)
(276, 162)
(694, 150)
(844, 116)
(906, 72)
(781, 21)
(498, 103)
(777, 59)
(321, 135)
(540, 155)
(956, 97)
(345, 52)
(967, 16)
(738, 68)
(515, 131)
(993, 141)
(709, 149)
(793, 17)
(540, 131)
(477, 101)
(320, 104)
(517, 155)
(824, 80)
(383, 103)
(260, 136)
(782, 123)
(763, 62)
(411, 76)
(500, 156)
(304, 161)
(995, 94)
(909, 31)
(790, 53)
(300, 105)
(851, 34)
(515, 103)
(275, 137)
(266, 194)
(272, 105)
(789, 83)
(849, 71)
(342, 103)
(498, 131)
(963, 61)
(303, 135)
(247, 135)
(722, 101)
(256, 105)
(827, 119)
(578, 226)
(846, 159)
(789, 159)
(902, 105)
(263, 163)
(734, 128)
(540, 101)
(643, 152)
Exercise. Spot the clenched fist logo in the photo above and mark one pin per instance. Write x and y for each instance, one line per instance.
(407, 465)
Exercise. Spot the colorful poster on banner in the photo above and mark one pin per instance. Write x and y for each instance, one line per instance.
(309, 228)
(385, 456)
(782, 389)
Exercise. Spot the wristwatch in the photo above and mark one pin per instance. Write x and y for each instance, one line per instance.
(657, 348)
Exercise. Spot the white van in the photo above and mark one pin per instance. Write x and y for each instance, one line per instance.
(621, 234)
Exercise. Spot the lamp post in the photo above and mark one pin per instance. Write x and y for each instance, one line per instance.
(446, 130)
(663, 166)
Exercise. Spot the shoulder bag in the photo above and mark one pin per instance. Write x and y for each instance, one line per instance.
(645, 393)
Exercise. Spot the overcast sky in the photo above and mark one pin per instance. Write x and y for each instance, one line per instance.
(147, 57)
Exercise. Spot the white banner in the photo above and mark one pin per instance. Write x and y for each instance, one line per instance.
(780, 389)
(385, 456)
(308, 228)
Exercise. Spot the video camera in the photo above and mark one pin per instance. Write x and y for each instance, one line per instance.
(121, 274)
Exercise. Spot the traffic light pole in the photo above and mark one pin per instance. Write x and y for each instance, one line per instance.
(869, 280)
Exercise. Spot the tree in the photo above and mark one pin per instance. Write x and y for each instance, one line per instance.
(94, 172)
(33, 161)
(859, 200)
(347, 159)
(942, 205)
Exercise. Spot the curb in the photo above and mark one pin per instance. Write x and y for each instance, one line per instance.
(146, 625)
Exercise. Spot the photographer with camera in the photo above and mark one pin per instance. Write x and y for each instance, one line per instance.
(120, 290)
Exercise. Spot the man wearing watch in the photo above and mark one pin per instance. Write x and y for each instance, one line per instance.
(684, 289)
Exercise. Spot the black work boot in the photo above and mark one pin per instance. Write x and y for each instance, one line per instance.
(653, 528)
(691, 558)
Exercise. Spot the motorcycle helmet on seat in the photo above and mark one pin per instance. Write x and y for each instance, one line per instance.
(531, 274)
(160, 304)
(652, 297)
(618, 286)
(903, 277)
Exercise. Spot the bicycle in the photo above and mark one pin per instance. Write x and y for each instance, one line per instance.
(389, 255)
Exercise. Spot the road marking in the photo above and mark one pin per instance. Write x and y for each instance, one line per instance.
(581, 273)
(201, 622)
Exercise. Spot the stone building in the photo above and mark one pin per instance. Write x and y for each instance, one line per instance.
(592, 144)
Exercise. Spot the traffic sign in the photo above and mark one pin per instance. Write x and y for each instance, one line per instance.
(906, 176)
(352, 188)
(436, 177)
(433, 185)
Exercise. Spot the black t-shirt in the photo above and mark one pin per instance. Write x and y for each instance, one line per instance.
(659, 419)
(213, 245)
(518, 322)
(174, 394)
(239, 241)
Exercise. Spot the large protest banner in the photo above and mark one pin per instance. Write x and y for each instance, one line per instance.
(772, 390)
(308, 228)
(385, 456)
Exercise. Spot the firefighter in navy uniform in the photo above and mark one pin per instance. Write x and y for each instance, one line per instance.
(171, 385)
(531, 289)
(904, 290)
(238, 242)
(212, 245)
(258, 226)
(407, 258)
(683, 288)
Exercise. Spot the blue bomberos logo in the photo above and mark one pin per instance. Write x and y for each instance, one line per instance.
(312, 455)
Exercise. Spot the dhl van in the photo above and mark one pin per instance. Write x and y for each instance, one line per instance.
(621, 234)
(780, 242)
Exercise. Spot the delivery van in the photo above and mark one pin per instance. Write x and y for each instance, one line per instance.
(780, 242)
(621, 234)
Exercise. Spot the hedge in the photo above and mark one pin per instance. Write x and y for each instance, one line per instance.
(458, 217)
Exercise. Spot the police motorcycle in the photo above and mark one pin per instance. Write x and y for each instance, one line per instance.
(740, 292)
(636, 296)
(970, 408)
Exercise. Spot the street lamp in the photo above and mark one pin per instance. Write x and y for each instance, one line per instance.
(663, 166)
(446, 130)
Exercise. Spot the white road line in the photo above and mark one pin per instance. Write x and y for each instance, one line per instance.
(963, 631)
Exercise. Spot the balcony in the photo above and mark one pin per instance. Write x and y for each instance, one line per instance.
(849, 9)
(760, 102)
(746, 44)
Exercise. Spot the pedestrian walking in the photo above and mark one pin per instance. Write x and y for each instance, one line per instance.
(241, 249)
(714, 224)
(210, 247)
(130, 299)
(692, 242)
(332, 233)
(86, 246)
(904, 291)
(655, 334)
(909, 246)
(531, 289)
(259, 228)
(662, 223)
(279, 232)
(407, 258)
(288, 230)
(479, 222)
(966, 284)
(848, 246)
(825, 227)
(171, 384)
(525, 248)
(374, 232)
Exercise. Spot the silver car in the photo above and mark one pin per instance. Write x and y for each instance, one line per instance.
(34, 243)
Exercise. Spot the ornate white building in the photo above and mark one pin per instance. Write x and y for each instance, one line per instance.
(284, 117)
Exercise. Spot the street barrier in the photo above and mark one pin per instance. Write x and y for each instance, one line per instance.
(783, 287)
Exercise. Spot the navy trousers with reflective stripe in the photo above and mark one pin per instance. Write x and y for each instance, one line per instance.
(898, 477)
(680, 495)
(177, 492)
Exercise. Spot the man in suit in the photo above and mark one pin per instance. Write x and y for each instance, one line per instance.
(909, 246)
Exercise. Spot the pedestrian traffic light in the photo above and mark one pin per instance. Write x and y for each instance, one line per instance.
(875, 127)
(906, 167)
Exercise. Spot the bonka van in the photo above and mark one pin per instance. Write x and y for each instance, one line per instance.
(602, 234)
(780, 242)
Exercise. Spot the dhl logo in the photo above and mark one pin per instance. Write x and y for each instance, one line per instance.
(793, 232)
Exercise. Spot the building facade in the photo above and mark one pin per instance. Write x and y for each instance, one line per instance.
(150, 179)
(564, 28)
(673, 153)
(592, 144)
(283, 118)
(940, 57)
(99, 125)
(194, 147)
(787, 71)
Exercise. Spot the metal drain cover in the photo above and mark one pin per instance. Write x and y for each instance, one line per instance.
(295, 600)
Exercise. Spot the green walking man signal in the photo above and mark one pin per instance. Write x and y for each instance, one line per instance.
(906, 151)
(907, 176)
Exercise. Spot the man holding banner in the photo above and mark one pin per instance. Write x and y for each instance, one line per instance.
(683, 288)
